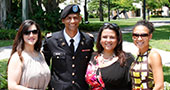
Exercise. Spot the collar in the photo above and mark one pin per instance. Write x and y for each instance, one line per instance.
(140, 57)
(76, 38)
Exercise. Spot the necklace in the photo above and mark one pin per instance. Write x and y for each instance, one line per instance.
(104, 60)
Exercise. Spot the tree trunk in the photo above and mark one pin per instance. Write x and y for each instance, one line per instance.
(51, 5)
(118, 14)
(24, 10)
(86, 13)
(30, 7)
(8, 3)
(148, 14)
(101, 11)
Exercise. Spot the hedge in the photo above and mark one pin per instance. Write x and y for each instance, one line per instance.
(7, 34)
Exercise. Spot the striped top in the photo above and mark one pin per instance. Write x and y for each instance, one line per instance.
(141, 73)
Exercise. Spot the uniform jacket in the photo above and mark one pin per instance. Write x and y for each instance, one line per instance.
(67, 69)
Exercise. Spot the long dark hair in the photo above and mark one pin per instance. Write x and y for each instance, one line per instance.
(118, 49)
(18, 45)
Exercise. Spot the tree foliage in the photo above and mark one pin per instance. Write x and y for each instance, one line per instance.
(155, 5)
(127, 5)
(93, 5)
(44, 12)
(122, 4)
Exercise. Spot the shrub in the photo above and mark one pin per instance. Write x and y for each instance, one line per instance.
(48, 19)
(7, 34)
(3, 81)
(3, 74)
(91, 27)
(91, 16)
(10, 34)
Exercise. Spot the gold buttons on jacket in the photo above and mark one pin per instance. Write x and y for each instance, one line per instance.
(82, 43)
(73, 82)
(73, 57)
(86, 57)
(73, 74)
(63, 43)
(73, 65)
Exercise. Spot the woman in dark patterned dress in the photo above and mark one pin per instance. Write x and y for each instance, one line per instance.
(109, 66)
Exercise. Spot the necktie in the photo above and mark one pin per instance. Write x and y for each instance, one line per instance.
(72, 45)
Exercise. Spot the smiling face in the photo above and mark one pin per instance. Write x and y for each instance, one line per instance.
(108, 40)
(30, 37)
(72, 21)
(141, 37)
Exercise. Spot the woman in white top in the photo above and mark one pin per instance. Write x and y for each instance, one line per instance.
(27, 69)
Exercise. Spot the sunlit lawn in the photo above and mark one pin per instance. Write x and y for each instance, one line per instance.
(121, 22)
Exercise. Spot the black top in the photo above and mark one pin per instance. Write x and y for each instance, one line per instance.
(116, 77)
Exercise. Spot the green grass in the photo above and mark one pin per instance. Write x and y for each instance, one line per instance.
(166, 71)
(161, 38)
(121, 22)
(159, 18)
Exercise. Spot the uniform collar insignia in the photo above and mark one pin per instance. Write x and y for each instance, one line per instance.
(60, 39)
(63, 43)
(82, 43)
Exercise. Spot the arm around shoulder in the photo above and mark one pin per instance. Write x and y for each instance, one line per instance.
(156, 65)
(46, 51)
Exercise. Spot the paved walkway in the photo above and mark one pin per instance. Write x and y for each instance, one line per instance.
(127, 46)
(5, 52)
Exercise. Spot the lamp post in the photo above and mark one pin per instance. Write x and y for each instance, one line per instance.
(108, 10)
(144, 9)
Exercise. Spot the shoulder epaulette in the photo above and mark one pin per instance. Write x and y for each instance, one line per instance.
(48, 35)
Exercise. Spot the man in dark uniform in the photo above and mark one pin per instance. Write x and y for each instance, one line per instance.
(69, 59)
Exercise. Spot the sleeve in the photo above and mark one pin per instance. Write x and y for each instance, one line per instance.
(46, 51)
(92, 44)
(130, 58)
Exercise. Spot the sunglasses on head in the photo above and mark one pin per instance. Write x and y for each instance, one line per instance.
(112, 24)
(141, 35)
(28, 32)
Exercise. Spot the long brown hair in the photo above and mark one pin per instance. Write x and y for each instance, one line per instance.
(118, 49)
(18, 45)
